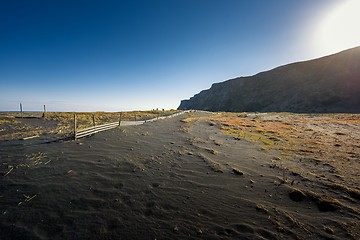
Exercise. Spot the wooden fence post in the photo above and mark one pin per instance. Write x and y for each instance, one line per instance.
(120, 118)
(93, 117)
(75, 126)
(44, 111)
(21, 111)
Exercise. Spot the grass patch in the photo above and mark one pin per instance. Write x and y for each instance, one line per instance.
(300, 135)
(11, 128)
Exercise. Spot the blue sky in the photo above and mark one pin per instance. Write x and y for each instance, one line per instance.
(85, 55)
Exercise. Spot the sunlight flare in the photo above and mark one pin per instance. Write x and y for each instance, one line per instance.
(339, 30)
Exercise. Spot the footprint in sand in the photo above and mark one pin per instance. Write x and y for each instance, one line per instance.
(155, 185)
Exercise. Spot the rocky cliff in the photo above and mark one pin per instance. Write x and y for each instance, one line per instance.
(327, 84)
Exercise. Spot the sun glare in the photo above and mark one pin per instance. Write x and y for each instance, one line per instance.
(340, 28)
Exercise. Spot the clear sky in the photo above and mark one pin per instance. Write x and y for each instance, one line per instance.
(86, 55)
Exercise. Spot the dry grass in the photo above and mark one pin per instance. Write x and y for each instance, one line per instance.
(215, 166)
(85, 119)
(27, 198)
(261, 208)
(35, 159)
(14, 127)
(317, 148)
(272, 134)
(5, 121)
(327, 203)
(330, 141)
(30, 161)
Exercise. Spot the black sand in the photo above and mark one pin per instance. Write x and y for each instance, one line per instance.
(156, 181)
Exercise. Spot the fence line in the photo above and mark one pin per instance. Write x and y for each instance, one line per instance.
(24, 113)
(170, 116)
(95, 129)
(99, 128)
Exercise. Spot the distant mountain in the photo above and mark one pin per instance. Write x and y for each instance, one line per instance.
(327, 84)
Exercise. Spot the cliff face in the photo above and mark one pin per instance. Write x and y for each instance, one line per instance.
(328, 84)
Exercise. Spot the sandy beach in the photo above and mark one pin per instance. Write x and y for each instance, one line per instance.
(177, 178)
